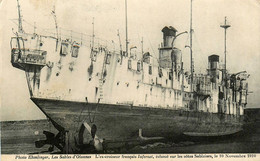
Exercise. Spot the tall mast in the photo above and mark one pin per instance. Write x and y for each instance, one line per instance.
(118, 34)
(55, 21)
(126, 34)
(71, 35)
(56, 26)
(191, 30)
(225, 27)
(20, 25)
(93, 35)
(121, 51)
(142, 46)
(34, 27)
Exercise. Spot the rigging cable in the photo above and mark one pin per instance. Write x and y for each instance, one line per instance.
(200, 50)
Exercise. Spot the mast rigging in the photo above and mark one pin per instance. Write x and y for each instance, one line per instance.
(93, 35)
(56, 26)
(126, 32)
(191, 62)
(20, 25)
(142, 46)
(118, 34)
(225, 27)
(121, 51)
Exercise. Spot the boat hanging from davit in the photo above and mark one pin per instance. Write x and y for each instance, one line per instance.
(95, 95)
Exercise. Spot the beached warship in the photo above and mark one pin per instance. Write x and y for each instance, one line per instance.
(96, 95)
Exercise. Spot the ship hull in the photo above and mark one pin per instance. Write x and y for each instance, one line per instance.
(116, 123)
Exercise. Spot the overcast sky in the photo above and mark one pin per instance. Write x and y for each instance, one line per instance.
(146, 18)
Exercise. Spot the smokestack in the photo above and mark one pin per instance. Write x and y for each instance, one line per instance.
(168, 34)
(213, 67)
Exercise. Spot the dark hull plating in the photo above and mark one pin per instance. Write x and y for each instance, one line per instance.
(122, 122)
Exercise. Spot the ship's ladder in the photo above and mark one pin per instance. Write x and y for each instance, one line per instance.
(100, 88)
(101, 80)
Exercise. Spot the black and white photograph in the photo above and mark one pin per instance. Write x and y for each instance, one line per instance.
(124, 77)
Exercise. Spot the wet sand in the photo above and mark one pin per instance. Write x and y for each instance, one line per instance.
(18, 137)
